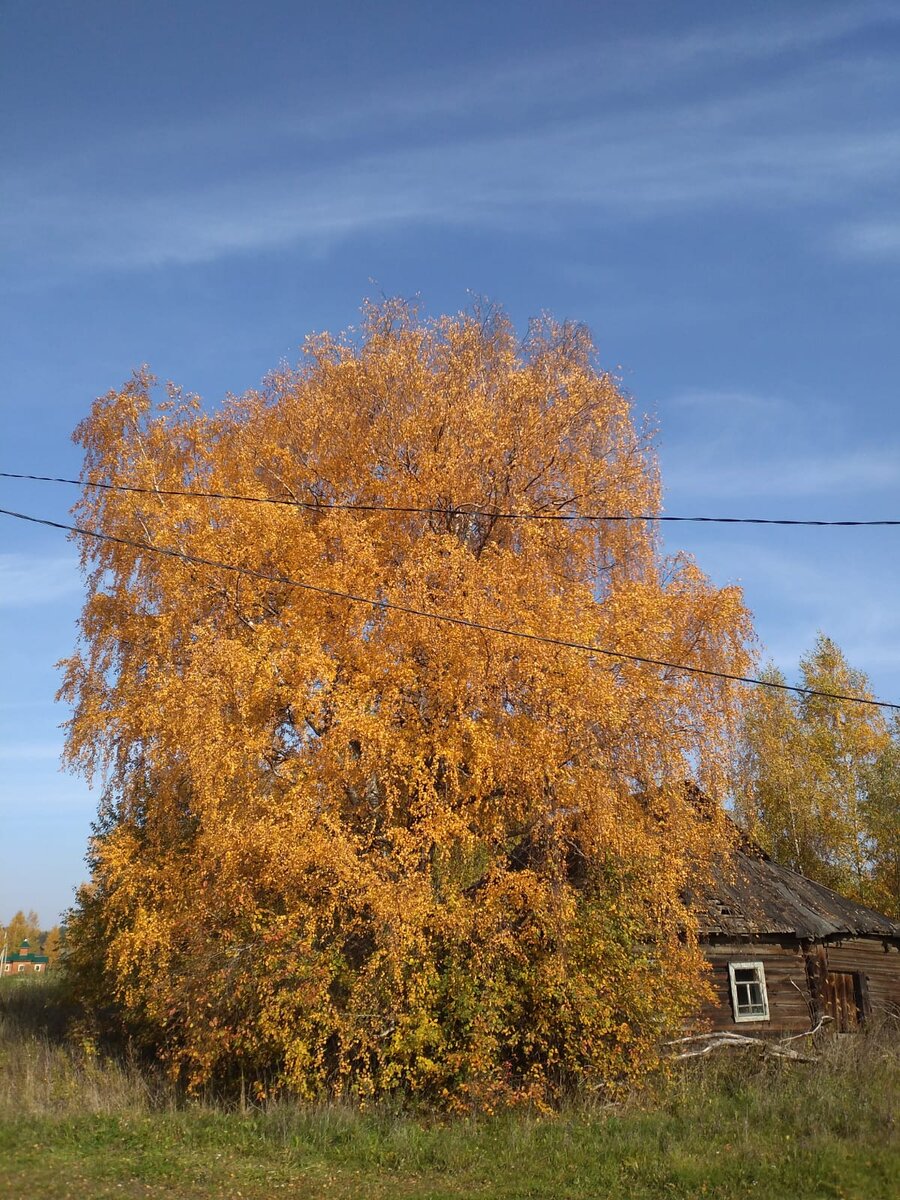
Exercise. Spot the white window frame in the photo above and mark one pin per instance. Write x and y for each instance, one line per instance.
(20, 969)
(761, 980)
(37, 966)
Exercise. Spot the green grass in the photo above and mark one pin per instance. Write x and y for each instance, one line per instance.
(74, 1123)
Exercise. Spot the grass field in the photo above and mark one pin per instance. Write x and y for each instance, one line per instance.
(74, 1123)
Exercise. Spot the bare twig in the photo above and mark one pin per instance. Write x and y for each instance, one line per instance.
(808, 1032)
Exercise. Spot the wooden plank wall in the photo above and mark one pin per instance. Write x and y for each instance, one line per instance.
(788, 968)
(786, 984)
(878, 961)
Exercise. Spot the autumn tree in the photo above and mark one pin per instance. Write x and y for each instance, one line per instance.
(807, 784)
(768, 801)
(51, 945)
(881, 818)
(22, 926)
(347, 847)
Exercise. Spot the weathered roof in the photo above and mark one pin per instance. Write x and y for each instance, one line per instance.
(756, 896)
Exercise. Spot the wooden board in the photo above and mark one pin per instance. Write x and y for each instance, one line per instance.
(787, 987)
(847, 981)
(878, 964)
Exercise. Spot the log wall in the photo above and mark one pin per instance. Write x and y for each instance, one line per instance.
(878, 962)
(797, 979)
(787, 987)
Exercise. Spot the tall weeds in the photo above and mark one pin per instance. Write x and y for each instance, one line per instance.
(52, 1063)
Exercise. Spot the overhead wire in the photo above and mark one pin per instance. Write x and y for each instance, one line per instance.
(446, 618)
(437, 510)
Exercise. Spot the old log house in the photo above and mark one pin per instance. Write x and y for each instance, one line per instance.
(786, 952)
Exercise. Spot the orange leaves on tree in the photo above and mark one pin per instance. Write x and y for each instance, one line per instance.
(345, 847)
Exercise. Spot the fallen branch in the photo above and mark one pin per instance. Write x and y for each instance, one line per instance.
(699, 1044)
(705, 1037)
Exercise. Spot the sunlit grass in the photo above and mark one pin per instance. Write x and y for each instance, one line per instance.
(76, 1121)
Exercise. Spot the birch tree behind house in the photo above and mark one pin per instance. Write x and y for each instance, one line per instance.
(817, 780)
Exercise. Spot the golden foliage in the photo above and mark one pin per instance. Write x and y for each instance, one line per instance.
(817, 780)
(881, 817)
(20, 928)
(347, 849)
(53, 945)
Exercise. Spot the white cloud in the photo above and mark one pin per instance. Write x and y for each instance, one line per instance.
(29, 579)
(703, 401)
(803, 582)
(694, 471)
(595, 171)
(529, 86)
(735, 444)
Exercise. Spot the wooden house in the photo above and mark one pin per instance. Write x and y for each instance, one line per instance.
(786, 951)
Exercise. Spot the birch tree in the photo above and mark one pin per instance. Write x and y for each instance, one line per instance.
(814, 778)
(344, 847)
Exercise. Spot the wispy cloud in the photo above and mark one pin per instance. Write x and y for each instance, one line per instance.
(29, 579)
(512, 147)
(596, 172)
(703, 401)
(795, 582)
(739, 476)
(870, 239)
(531, 86)
(735, 445)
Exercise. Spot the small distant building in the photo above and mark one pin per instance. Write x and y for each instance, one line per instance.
(24, 961)
(786, 952)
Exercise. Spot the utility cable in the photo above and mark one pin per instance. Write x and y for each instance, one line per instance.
(435, 616)
(461, 511)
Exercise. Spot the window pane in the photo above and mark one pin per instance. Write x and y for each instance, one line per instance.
(749, 991)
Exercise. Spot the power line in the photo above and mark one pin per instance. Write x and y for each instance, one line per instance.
(461, 511)
(434, 616)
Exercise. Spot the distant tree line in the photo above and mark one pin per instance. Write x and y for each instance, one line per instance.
(817, 782)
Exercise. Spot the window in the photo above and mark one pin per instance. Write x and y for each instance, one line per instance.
(6, 968)
(37, 966)
(748, 991)
(21, 968)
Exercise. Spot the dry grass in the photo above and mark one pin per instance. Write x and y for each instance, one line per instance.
(52, 1063)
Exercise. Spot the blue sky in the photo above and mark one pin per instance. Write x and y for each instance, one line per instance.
(712, 188)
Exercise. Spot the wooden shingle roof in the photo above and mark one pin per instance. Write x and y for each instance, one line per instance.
(754, 896)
